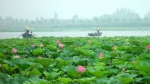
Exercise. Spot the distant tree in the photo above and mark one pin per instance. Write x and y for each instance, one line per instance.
(37, 20)
(146, 19)
(95, 21)
(42, 20)
(147, 15)
(75, 18)
(16, 21)
(116, 19)
(9, 19)
(32, 22)
(22, 21)
(27, 21)
(55, 16)
(1, 19)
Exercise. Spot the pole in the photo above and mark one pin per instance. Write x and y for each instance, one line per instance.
(19, 36)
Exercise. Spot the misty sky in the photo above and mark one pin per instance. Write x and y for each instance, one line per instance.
(67, 8)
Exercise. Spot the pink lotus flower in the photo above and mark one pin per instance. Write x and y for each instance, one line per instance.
(41, 45)
(58, 41)
(32, 45)
(81, 69)
(61, 45)
(58, 50)
(133, 62)
(148, 47)
(89, 42)
(14, 50)
(100, 55)
(123, 69)
(16, 56)
(39, 57)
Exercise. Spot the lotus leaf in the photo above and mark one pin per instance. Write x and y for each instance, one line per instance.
(65, 80)
(34, 72)
(38, 51)
(86, 80)
(45, 61)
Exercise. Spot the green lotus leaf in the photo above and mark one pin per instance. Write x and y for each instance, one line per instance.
(138, 79)
(144, 42)
(11, 63)
(65, 80)
(21, 42)
(54, 75)
(67, 53)
(117, 62)
(44, 61)
(96, 72)
(143, 73)
(18, 78)
(99, 73)
(135, 49)
(144, 67)
(2, 50)
(68, 68)
(47, 75)
(144, 56)
(106, 47)
(5, 78)
(9, 68)
(6, 66)
(34, 72)
(84, 51)
(68, 42)
(2, 45)
(121, 48)
(21, 63)
(38, 51)
(112, 71)
(44, 41)
(126, 80)
(73, 73)
(86, 80)
(87, 52)
(37, 81)
(62, 62)
(52, 47)
(103, 80)
(2, 55)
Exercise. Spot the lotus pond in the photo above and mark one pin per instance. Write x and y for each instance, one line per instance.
(75, 60)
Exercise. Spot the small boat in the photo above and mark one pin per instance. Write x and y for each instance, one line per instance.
(25, 35)
(95, 34)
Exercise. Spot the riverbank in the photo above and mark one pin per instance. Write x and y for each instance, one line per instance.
(22, 29)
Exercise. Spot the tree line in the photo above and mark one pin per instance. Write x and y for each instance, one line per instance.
(121, 18)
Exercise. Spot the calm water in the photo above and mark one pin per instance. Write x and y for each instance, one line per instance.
(76, 34)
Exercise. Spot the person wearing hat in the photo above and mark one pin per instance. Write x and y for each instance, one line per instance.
(27, 29)
(98, 28)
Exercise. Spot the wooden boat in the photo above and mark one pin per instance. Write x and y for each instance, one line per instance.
(95, 34)
(25, 35)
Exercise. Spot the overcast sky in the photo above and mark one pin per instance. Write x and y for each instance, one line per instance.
(67, 8)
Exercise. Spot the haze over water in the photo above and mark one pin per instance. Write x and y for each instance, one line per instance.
(67, 8)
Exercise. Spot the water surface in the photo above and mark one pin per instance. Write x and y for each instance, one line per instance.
(75, 34)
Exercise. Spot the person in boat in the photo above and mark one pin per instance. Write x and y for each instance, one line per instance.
(98, 28)
(27, 29)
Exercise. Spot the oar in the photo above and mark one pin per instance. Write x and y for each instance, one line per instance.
(19, 36)
(34, 34)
